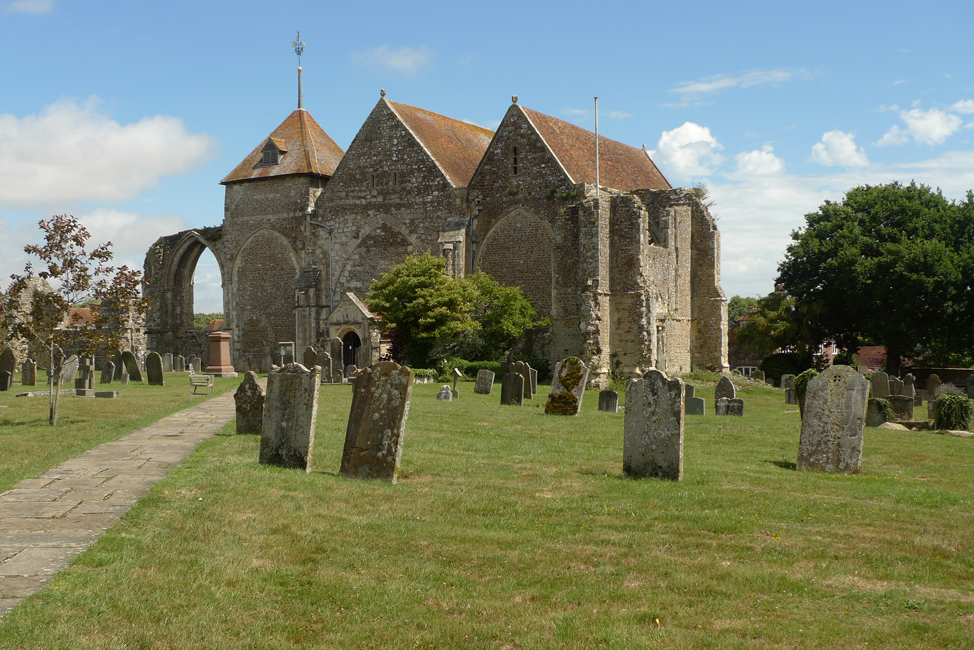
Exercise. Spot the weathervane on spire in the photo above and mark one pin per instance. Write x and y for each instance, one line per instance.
(298, 46)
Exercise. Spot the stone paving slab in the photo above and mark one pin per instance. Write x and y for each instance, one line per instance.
(47, 521)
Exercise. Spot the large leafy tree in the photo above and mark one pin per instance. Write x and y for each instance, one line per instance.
(73, 275)
(502, 312)
(887, 264)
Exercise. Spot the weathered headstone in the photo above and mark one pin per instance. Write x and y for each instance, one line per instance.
(909, 386)
(695, 406)
(153, 369)
(266, 363)
(106, 394)
(310, 357)
(512, 389)
(28, 373)
(249, 400)
(335, 345)
(895, 386)
(125, 378)
(609, 401)
(567, 387)
(653, 440)
(131, 366)
(70, 369)
(107, 372)
(933, 383)
(688, 390)
(324, 362)
(485, 382)
(377, 422)
(725, 406)
(6, 380)
(533, 376)
(791, 397)
(8, 364)
(179, 363)
(523, 369)
(349, 371)
(85, 382)
(725, 388)
(879, 384)
(833, 420)
(787, 381)
(167, 362)
(875, 413)
(289, 417)
(902, 406)
(932, 409)
(119, 365)
(758, 375)
(445, 395)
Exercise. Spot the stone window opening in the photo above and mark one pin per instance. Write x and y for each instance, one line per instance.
(515, 161)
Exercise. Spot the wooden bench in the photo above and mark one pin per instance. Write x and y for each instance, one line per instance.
(200, 381)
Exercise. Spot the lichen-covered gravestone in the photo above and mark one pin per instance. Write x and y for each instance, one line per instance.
(725, 388)
(879, 384)
(131, 366)
(69, 369)
(567, 387)
(249, 401)
(833, 420)
(485, 382)
(725, 406)
(28, 373)
(290, 413)
(153, 369)
(377, 422)
(609, 401)
(108, 372)
(445, 394)
(653, 439)
(512, 389)
(8, 364)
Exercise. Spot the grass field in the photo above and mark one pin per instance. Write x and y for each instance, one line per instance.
(512, 529)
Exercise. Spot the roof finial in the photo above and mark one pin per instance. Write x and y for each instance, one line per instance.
(298, 46)
(382, 92)
(514, 99)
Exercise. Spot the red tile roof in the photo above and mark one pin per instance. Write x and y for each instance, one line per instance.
(307, 150)
(621, 167)
(455, 146)
(79, 316)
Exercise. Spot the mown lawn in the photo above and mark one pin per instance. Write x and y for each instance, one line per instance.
(512, 529)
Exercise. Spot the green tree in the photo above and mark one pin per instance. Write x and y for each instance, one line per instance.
(737, 306)
(502, 312)
(781, 323)
(888, 263)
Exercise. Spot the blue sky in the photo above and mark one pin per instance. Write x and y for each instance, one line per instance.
(128, 114)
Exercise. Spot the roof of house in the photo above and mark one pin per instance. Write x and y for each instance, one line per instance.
(79, 316)
(621, 167)
(455, 146)
(305, 149)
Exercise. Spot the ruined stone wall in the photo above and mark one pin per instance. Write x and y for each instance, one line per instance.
(709, 304)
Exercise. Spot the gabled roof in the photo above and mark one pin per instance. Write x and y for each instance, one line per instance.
(305, 147)
(621, 167)
(455, 146)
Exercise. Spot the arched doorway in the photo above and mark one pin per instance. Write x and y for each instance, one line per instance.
(350, 345)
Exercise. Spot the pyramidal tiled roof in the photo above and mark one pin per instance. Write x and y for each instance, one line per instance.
(308, 150)
(455, 146)
(621, 167)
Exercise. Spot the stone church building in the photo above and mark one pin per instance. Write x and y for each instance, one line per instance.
(628, 273)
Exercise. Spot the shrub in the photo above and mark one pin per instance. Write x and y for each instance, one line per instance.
(948, 389)
(424, 373)
(954, 412)
(473, 367)
(778, 364)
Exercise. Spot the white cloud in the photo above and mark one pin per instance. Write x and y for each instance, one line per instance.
(407, 61)
(31, 6)
(723, 81)
(933, 126)
(758, 163)
(71, 152)
(839, 149)
(688, 150)
(965, 106)
(620, 115)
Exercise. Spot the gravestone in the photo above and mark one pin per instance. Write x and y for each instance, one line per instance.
(350, 371)
(310, 357)
(125, 378)
(70, 369)
(8, 364)
(725, 406)
(609, 401)
(902, 406)
(725, 388)
(153, 369)
(335, 349)
(523, 369)
(324, 362)
(879, 384)
(85, 383)
(6, 380)
(106, 394)
(791, 397)
(512, 389)
(179, 363)
(485, 382)
(266, 363)
(933, 383)
(895, 386)
(445, 395)
(249, 401)
(695, 406)
(107, 372)
(534, 380)
(653, 439)
(290, 414)
(688, 390)
(167, 362)
(909, 386)
(833, 420)
(377, 422)
(28, 373)
(457, 375)
(119, 365)
(191, 362)
(969, 386)
(131, 366)
(787, 381)
(932, 409)
(876, 415)
(758, 375)
(567, 387)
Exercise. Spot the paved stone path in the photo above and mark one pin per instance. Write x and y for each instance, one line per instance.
(46, 522)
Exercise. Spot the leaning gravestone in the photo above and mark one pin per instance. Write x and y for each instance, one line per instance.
(695, 406)
(833, 420)
(377, 422)
(567, 387)
(249, 401)
(6, 380)
(653, 441)
(131, 366)
(310, 357)
(512, 389)
(28, 373)
(107, 372)
(445, 395)
(167, 362)
(70, 369)
(933, 383)
(880, 384)
(609, 401)
(725, 406)
(534, 380)
(153, 369)
(8, 364)
(179, 363)
(485, 382)
(725, 388)
(290, 414)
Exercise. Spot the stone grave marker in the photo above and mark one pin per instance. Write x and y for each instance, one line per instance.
(125, 378)
(609, 401)
(791, 397)
(249, 400)
(350, 371)
(457, 375)
(445, 395)
(833, 420)
(788, 381)
(377, 422)
(85, 382)
(290, 414)
(153, 369)
(70, 369)
(6, 380)
(879, 384)
(198, 365)
(725, 388)
(266, 363)
(485, 382)
(310, 357)
(8, 364)
(969, 386)
(167, 362)
(653, 438)
(523, 369)
(28, 373)
(131, 366)
(695, 406)
(534, 380)
(933, 383)
(179, 363)
(107, 372)
(758, 375)
(895, 386)
(902, 406)
(512, 389)
(119, 365)
(688, 390)
(335, 349)
(909, 386)
(874, 414)
(725, 406)
(567, 387)
(324, 362)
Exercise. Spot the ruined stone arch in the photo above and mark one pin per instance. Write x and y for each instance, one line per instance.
(178, 278)
(382, 248)
(263, 301)
(517, 252)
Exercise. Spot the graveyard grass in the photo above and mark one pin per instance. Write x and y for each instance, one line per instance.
(513, 529)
